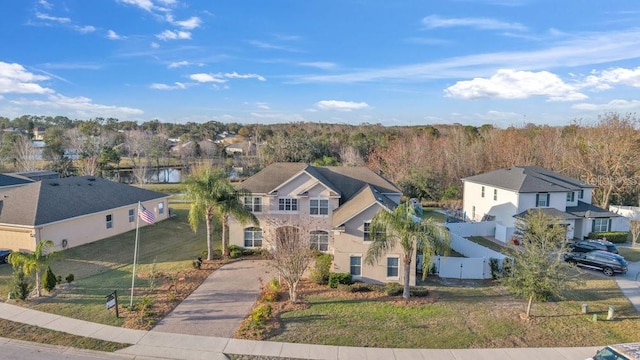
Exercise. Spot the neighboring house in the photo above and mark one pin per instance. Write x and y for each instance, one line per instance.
(36, 175)
(38, 132)
(334, 204)
(72, 211)
(506, 194)
(241, 148)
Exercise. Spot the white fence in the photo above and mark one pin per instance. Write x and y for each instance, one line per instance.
(504, 233)
(483, 228)
(631, 212)
(462, 268)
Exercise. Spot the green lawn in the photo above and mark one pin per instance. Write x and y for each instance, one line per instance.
(465, 317)
(431, 213)
(481, 240)
(631, 254)
(106, 265)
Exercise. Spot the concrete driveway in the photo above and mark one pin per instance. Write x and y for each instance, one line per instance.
(220, 304)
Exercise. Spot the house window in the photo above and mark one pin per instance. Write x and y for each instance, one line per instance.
(600, 225)
(319, 240)
(319, 207)
(571, 196)
(581, 195)
(473, 212)
(160, 208)
(132, 216)
(109, 220)
(542, 200)
(392, 267)
(288, 204)
(252, 237)
(366, 236)
(482, 192)
(253, 203)
(355, 268)
(495, 194)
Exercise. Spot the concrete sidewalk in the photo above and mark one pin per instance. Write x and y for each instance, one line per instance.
(628, 284)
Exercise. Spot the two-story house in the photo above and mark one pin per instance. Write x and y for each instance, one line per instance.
(505, 194)
(334, 204)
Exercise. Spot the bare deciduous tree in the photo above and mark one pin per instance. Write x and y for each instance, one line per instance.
(634, 231)
(26, 155)
(291, 254)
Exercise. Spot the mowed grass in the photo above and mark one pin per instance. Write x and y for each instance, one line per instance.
(106, 265)
(466, 317)
(630, 253)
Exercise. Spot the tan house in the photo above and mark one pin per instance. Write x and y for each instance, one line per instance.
(72, 211)
(334, 204)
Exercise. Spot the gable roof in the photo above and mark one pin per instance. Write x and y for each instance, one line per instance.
(528, 179)
(362, 200)
(585, 210)
(54, 200)
(345, 181)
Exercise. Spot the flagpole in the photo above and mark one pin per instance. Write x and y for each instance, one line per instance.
(135, 256)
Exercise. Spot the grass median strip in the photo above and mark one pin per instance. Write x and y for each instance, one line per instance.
(24, 332)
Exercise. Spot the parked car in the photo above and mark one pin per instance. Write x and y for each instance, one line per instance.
(3, 256)
(619, 352)
(590, 245)
(608, 263)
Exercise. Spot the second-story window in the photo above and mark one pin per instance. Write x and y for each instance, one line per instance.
(288, 204)
(542, 200)
(581, 195)
(482, 192)
(319, 207)
(571, 196)
(495, 194)
(253, 203)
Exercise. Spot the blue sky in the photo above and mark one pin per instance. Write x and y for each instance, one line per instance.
(500, 62)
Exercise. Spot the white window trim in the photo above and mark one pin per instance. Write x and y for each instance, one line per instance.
(319, 207)
(253, 240)
(132, 215)
(355, 276)
(289, 211)
(160, 208)
(253, 204)
(387, 267)
(328, 240)
(108, 222)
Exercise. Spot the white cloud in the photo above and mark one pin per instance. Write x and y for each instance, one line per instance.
(177, 64)
(61, 20)
(263, 106)
(206, 78)
(143, 4)
(617, 104)
(45, 4)
(84, 29)
(235, 75)
(324, 65)
(604, 79)
(174, 35)
(155, 45)
(80, 106)
(338, 105)
(512, 84)
(112, 35)
(189, 24)
(176, 86)
(435, 21)
(14, 78)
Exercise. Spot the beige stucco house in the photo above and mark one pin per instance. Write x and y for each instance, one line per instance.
(334, 205)
(72, 211)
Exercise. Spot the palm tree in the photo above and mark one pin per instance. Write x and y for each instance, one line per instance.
(402, 226)
(212, 196)
(33, 262)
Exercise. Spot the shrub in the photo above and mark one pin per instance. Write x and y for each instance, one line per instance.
(215, 254)
(49, 280)
(70, 278)
(260, 314)
(617, 237)
(418, 292)
(360, 287)
(393, 289)
(339, 278)
(494, 264)
(274, 284)
(321, 269)
(235, 253)
(270, 292)
(507, 267)
(19, 286)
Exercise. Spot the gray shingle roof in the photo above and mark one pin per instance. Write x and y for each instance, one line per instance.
(54, 200)
(346, 181)
(528, 179)
(551, 212)
(585, 210)
(13, 180)
(362, 200)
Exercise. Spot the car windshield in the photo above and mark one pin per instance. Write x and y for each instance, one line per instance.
(609, 354)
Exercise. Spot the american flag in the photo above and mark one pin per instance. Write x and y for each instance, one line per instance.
(146, 215)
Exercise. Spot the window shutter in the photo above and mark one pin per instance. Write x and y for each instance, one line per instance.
(537, 200)
(593, 225)
(548, 198)
(609, 224)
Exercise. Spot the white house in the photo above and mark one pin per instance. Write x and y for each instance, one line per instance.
(503, 195)
(334, 204)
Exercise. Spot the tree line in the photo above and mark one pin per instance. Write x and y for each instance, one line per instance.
(426, 162)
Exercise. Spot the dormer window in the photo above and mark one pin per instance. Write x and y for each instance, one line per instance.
(542, 200)
(319, 207)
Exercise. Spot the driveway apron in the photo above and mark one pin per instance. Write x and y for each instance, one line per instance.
(220, 304)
